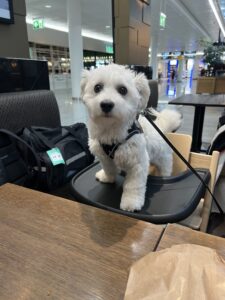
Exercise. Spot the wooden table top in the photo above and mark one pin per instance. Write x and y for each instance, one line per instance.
(200, 100)
(53, 248)
(176, 234)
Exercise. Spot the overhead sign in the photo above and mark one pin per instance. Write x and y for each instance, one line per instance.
(109, 49)
(38, 24)
(162, 20)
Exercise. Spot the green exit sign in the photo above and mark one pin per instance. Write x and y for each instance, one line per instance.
(162, 20)
(38, 24)
(109, 49)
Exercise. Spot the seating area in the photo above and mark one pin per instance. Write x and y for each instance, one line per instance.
(40, 108)
(50, 229)
(112, 149)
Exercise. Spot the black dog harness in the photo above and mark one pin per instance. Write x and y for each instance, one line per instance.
(111, 149)
(135, 129)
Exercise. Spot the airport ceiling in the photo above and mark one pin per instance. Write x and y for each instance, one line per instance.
(187, 22)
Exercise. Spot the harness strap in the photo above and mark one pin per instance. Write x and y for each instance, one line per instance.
(111, 149)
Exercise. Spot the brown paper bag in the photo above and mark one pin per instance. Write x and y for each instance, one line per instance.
(184, 272)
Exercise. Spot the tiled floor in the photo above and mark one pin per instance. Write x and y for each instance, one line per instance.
(73, 111)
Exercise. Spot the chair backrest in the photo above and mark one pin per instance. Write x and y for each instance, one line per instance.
(154, 95)
(182, 142)
(30, 108)
(197, 160)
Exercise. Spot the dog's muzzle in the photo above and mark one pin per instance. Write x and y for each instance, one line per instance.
(106, 106)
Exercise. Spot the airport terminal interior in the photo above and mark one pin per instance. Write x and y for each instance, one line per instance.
(179, 42)
(188, 26)
(55, 248)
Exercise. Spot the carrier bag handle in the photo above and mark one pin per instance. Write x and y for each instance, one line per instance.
(47, 143)
(148, 116)
(13, 135)
(71, 131)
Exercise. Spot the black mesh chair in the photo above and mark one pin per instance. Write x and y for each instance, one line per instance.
(29, 108)
(154, 96)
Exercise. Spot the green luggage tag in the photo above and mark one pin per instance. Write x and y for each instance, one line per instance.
(55, 156)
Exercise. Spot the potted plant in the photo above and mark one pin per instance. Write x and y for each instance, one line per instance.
(213, 57)
(213, 53)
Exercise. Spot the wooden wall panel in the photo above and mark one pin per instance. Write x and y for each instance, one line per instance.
(132, 32)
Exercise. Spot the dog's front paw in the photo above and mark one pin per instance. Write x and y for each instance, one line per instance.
(131, 204)
(102, 177)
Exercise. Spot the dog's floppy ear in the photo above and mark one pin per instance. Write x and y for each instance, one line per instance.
(142, 86)
(84, 80)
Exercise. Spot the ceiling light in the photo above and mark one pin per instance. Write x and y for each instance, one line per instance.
(97, 36)
(48, 6)
(107, 26)
(85, 33)
(212, 4)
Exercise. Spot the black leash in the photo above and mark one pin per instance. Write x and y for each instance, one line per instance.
(148, 116)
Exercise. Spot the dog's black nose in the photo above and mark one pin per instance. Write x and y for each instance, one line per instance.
(106, 106)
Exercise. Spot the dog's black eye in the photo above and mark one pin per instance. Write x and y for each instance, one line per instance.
(122, 90)
(98, 87)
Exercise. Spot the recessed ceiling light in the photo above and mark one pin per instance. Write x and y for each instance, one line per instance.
(48, 6)
(107, 26)
(212, 4)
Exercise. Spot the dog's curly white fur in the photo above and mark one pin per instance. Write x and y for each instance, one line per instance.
(114, 95)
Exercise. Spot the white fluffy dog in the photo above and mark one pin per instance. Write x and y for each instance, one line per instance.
(114, 96)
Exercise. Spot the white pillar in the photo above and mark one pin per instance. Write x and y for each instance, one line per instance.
(75, 45)
(156, 7)
(195, 74)
(180, 70)
(33, 52)
(154, 58)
